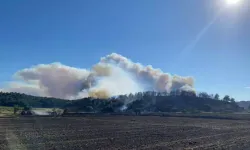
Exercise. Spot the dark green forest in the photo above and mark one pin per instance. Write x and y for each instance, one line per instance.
(177, 101)
(22, 100)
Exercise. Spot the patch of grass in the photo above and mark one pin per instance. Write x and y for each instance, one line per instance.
(8, 111)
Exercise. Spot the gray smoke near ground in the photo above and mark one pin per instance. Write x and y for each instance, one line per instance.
(40, 112)
(113, 75)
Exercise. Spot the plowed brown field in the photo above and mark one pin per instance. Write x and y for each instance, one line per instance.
(123, 132)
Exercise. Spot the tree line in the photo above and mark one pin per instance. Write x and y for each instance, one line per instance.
(23, 100)
(150, 101)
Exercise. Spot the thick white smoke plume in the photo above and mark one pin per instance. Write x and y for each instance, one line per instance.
(113, 75)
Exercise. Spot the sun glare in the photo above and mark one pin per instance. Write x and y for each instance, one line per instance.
(232, 2)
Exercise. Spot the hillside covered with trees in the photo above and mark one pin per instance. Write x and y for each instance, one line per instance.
(177, 101)
(22, 100)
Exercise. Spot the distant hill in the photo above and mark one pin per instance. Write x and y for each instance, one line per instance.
(156, 102)
(244, 104)
(150, 101)
(11, 99)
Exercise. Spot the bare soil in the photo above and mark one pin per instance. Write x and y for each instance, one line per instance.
(123, 132)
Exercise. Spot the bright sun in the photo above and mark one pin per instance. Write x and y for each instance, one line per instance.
(231, 2)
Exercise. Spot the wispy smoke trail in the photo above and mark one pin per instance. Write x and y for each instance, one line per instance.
(40, 112)
(112, 76)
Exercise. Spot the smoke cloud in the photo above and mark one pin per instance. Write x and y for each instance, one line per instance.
(112, 76)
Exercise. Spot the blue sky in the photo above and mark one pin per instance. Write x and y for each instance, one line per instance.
(77, 33)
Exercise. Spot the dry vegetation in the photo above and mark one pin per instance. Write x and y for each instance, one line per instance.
(123, 132)
(6, 111)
